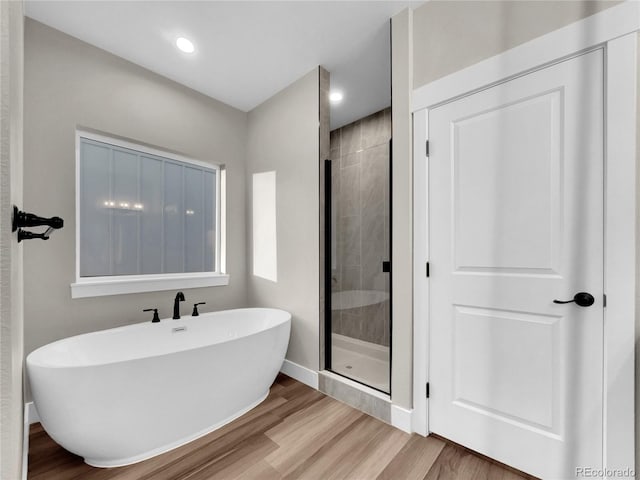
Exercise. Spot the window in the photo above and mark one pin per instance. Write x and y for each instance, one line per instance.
(147, 220)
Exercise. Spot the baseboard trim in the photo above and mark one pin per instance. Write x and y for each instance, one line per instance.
(401, 418)
(30, 413)
(300, 373)
(30, 417)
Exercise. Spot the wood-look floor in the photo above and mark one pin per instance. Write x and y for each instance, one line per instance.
(296, 433)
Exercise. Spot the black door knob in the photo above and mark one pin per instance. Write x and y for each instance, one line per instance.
(582, 299)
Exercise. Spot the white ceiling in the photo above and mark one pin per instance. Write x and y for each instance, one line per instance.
(245, 51)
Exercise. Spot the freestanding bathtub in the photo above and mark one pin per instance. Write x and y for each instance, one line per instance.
(119, 396)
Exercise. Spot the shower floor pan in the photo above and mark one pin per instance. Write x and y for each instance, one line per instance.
(361, 361)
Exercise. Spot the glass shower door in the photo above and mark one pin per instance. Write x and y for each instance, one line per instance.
(359, 308)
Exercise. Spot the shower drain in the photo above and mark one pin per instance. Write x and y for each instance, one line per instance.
(349, 367)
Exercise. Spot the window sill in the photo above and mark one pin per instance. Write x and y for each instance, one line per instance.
(102, 286)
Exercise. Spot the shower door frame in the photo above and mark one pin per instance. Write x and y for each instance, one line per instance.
(327, 263)
(328, 230)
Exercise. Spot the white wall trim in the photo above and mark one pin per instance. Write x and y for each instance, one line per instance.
(30, 413)
(620, 251)
(594, 30)
(614, 30)
(25, 442)
(420, 280)
(30, 417)
(401, 418)
(101, 286)
(300, 373)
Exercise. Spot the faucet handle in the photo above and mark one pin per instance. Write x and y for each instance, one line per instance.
(156, 318)
(195, 309)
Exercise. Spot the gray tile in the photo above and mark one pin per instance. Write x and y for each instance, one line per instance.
(350, 195)
(364, 329)
(374, 244)
(349, 241)
(377, 157)
(336, 174)
(371, 324)
(386, 338)
(373, 278)
(373, 235)
(335, 187)
(378, 324)
(374, 180)
(363, 401)
(389, 120)
(352, 323)
(351, 138)
(336, 322)
(336, 282)
(376, 129)
(373, 240)
(351, 159)
(374, 199)
(351, 278)
(387, 228)
(334, 140)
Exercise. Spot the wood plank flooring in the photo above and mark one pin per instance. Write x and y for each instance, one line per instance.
(296, 433)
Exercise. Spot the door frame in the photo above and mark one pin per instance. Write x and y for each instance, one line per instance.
(615, 30)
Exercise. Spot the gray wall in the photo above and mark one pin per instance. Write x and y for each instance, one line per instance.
(402, 211)
(449, 36)
(360, 191)
(68, 84)
(283, 136)
(11, 269)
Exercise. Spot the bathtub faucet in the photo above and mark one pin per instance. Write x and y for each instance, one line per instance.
(176, 305)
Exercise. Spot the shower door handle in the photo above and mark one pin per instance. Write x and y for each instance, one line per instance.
(386, 266)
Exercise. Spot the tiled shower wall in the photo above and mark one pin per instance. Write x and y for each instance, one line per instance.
(360, 203)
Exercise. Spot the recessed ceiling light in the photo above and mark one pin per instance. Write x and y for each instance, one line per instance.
(335, 97)
(185, 45)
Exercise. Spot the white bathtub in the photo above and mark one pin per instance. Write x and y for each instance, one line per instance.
(119, 396)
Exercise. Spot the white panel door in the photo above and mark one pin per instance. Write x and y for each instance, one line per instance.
(516, 221)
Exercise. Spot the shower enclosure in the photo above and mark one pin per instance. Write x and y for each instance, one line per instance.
(358, 251)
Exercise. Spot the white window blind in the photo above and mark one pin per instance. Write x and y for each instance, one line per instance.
(142, 213)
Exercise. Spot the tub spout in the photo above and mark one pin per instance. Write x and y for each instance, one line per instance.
(176, 305)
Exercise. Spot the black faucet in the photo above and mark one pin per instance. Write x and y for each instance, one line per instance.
(176, 305)
(156, 318)
(195, 312)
